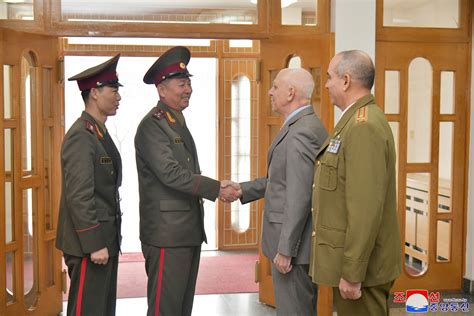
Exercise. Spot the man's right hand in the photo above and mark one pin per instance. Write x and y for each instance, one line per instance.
(100, 256)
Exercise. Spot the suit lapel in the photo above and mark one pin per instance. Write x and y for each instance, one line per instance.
(285, 129)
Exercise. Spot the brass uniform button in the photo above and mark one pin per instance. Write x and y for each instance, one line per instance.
(313, 234)
(314, 186)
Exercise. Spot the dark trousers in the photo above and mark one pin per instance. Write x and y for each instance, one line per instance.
(93, 288)
(172, 274)
(373, 302)
(295, 293)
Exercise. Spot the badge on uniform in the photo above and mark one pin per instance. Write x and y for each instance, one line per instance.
(178, 140)
(105, 160)
(334, 145)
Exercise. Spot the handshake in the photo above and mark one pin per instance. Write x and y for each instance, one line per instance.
(229, 191)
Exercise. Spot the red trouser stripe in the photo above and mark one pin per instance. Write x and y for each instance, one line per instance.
(81, 286)
(160, 281)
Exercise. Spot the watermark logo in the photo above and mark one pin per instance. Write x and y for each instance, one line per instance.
(421, 301)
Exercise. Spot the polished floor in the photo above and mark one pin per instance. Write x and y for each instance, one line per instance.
(247, 304)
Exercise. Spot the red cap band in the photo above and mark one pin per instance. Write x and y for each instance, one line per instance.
(91, 82)
(173, 68)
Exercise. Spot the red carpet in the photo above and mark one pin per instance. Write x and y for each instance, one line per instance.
(229, 273)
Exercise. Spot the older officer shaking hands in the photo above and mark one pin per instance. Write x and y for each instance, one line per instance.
(356, 246)
(171, 190)
(286, 234)
(89, 215)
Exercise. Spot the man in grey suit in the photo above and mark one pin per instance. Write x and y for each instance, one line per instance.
(286, 235)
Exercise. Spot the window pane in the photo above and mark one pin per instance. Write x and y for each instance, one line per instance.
(433, 13)
(445, 166)
(299, 12)
(443, 242)
(164, 11)
(392, 92)
(294, 62)
(9, 198)
(447, 92)
(16, 10)
(240, 153)
(417, 223)
(27, 109)
(420, 81)
(10, 267)
(7, 101)
(29, 248)
(47, 112)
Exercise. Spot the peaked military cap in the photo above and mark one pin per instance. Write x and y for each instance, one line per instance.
(99, 76)
(172, 64)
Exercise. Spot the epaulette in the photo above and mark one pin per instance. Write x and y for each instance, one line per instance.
(362, 114)
(92, 128)
(162, 114)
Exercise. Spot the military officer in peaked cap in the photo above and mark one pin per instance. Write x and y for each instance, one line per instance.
(89, 216)
(171, 190)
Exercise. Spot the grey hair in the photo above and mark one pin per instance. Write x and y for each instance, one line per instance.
(359, 65)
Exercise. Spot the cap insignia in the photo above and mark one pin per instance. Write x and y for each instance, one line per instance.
(182, 66)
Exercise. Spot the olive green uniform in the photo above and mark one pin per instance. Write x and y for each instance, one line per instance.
(89, 215)
(354, 210)
(171, 209)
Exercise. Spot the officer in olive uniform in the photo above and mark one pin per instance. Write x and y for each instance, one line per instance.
(356, 240)
(89, 216)
(171, 190)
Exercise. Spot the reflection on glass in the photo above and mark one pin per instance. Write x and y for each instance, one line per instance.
(16, 10)
(443, 242)
(163, 11)
(447, 92)
(47, 112)
(7, 102)
(392, 92)
(48, 176)
(27, 104)
(240, 152)
(445, 166)
(29, 249)
(299, 12)
(9, 200)
(417, 223)
(409, 13)
(420, 79)
(294, 62)
(10, 266)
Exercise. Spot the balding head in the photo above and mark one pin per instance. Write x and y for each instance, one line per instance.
(358, 65)
(301, 80)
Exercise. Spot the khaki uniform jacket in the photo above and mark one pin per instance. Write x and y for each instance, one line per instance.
(170, 182)
(354, 201)
(287, 187)
(89, 214)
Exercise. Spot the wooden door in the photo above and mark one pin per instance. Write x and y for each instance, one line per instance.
(30, 268)
(424, 89)
(314, 53)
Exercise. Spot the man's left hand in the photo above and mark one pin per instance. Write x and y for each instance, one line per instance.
(349, 290)
(282, 263)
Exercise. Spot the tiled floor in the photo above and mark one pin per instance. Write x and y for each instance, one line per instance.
(247, 304)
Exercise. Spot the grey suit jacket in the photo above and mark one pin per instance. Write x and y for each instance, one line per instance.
(287, 187)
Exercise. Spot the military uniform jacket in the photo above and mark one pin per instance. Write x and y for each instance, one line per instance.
(170, 183)
(287, 187)
(89, 214)
(354, 201)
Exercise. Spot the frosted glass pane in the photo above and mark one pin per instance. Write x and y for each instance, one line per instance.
(16, 10)
(294, 62)
(7, 101)
(447, 92)
(392, 92)
(443, 241)
(420, 81)
(299, 12)
(416, 13)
